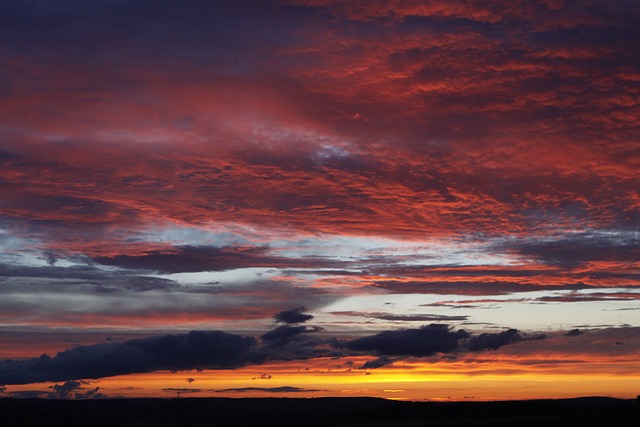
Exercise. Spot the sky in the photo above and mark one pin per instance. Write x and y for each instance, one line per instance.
(422, 200)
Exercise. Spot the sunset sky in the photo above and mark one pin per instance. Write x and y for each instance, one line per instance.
(405, 199)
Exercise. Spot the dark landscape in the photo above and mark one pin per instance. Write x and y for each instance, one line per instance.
(340, 201)
(316, 412)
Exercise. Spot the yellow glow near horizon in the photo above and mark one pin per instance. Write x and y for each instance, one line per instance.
(408, 381)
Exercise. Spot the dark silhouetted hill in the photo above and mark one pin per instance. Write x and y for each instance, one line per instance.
(338, 412)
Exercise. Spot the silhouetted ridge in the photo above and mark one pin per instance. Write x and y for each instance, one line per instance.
(316, 412)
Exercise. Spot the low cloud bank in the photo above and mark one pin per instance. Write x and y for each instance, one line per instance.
(222, 350)
(194, 350)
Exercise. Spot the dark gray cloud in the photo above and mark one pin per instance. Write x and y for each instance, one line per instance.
(86, 275)
(489, 341)
(67, 390)
(425, 341)
(75, 390)
(282, 389)
(195, 350)
(183, 259)
(403, 317)
(574, 250)
(63, 391)
(285, 333)
(87, 280)
(477, 288)
(115, 292)
(433, 339)
(220, 350)
(376, 363)
(296, 315)
(30, 394)
(594, 296)
(387, 266)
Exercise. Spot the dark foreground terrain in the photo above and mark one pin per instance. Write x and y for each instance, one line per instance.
(344, 412)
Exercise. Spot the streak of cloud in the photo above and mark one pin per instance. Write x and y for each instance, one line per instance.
(282, 389)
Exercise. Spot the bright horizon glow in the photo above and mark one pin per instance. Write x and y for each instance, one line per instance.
(413, 381)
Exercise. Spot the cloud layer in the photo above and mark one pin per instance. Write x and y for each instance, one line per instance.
(199, 350)
(195, 350)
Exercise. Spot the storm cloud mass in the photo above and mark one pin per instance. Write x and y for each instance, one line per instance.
(425, 341)
(195, 350)
(296, 315)
(198, 350)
